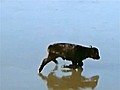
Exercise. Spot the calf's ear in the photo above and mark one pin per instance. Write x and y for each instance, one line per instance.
(90, 46)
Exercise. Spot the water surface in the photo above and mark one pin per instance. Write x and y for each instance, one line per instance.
(28, 27)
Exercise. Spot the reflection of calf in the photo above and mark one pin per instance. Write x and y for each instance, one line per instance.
(71, 52)
(74, 81)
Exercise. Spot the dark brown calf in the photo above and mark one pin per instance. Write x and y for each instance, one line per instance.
(71, 52)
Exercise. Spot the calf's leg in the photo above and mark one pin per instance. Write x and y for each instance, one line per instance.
(74, 63)
(55, 61)
(80, 64)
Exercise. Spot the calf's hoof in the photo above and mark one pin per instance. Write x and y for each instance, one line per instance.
(71, 66)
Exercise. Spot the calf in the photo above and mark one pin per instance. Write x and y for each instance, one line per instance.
(71, 52)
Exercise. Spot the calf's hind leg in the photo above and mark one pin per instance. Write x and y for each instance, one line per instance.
(55, 61)
(80, 64)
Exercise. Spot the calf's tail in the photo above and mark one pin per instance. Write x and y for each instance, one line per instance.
(45, 61)
(49, 47)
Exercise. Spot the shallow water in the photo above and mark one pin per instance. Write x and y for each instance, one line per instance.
(28, 27)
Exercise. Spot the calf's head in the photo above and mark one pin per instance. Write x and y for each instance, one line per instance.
(94, 53)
